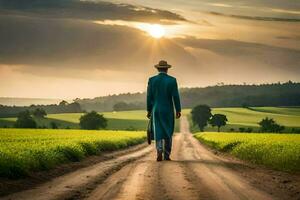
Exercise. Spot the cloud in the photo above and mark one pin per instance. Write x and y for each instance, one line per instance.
(43, 46)
(65, 43)
(263, 57)
(260, 18)
(297, 38)
(89, 10)
(285, 11)
(221, 5)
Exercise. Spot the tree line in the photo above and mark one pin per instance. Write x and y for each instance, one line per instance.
(276, 94)
(62, 107)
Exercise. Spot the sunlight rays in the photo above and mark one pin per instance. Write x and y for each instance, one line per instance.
(155, 30)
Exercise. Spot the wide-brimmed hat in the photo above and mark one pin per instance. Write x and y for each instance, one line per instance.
(163, 64)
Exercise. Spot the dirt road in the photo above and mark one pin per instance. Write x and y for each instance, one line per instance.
(193, 173)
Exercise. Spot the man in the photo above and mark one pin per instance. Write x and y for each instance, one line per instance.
(162, 96)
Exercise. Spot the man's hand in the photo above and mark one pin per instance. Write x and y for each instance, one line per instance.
(178, 115)
(149, 115)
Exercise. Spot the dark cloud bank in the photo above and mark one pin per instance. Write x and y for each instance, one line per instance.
(80, 44)
(76, 9)
(257, 17)
(60, 34)
(271, 56)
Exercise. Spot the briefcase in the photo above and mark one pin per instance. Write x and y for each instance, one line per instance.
(149, 131)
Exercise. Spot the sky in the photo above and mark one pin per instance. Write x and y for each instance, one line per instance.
(83, 48)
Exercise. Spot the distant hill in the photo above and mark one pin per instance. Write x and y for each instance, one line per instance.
(277, 94)
(10, 101)
(62, 107)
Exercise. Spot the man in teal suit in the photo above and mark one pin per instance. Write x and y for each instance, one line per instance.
(162, 97)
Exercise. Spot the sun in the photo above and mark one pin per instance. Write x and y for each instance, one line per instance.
(156, 30)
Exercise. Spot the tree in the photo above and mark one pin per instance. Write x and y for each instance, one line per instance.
(73, 107)
(242, 129)
(39, 113)
(200, 115)
(249, 130)
(92, 121)
(120, 106)
(63, 103)
(245, 105)
(269, 125)
(25, 120)
(218, 120)
(295, 130)
(53, 125)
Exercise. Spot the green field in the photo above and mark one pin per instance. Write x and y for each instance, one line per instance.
(135, 120)
(243, 117)
(26, 150)
(125, 120)
(278, 151)
(122, 115)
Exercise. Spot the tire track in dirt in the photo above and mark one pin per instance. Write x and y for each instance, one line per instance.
(138, 180)
(149, 179)
(186, 177)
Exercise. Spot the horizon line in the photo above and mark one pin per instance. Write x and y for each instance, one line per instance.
(221, 84)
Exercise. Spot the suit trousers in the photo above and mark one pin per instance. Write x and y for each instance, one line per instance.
(164, 146)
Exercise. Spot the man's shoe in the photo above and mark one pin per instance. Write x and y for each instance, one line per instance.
(159, 157)
(168, 158)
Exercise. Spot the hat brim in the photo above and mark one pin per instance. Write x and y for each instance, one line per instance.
(162, 66)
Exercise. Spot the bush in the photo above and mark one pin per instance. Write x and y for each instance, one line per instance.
(269, 125)
(295, 130)
(249, 130)
(241, 129)
(53, 125)
(25, 120)
(92, 121)
(39, 113)
(131, 128)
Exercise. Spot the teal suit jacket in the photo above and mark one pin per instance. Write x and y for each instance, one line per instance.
(162, 97)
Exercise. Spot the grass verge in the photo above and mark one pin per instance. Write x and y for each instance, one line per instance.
(26, 150)
(278, 151)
